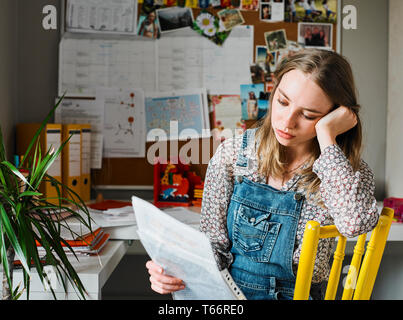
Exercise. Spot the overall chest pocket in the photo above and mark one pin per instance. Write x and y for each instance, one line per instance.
(254, 235)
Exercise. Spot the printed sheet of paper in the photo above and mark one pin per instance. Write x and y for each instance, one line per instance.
(180, 60)
(106, 16)
(223, 70)
(88, 111)
(124, 122)
(183, 252)
(86, 63)
(185, 60)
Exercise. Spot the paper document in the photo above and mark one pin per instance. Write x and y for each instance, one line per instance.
(124, 122)
(185, 61)
(185, 253)
(185, 216)
(112, 16)
(90, 61)
(113, 217)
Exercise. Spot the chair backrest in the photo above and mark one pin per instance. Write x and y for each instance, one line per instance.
(360, 277)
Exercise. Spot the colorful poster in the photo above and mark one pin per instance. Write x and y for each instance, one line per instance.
(177, 115)
(228, 113)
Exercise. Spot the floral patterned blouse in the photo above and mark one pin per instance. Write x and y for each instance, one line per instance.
(348, 197)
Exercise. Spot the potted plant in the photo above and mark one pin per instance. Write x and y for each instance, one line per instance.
(28, 218)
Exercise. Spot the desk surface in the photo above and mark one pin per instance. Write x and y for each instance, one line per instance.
(93, 271)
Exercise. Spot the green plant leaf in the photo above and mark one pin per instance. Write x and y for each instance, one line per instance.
(16, 172)
(4, 261)
(38, 132)
(9, 231)
(24, 216)
(16, 294)
(2, 149)
(30, 194)
(44, 165)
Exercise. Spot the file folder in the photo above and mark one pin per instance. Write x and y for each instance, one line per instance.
(85, 162)
(71, 159)
(50, 137)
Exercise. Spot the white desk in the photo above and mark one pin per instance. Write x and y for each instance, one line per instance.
(93, 271)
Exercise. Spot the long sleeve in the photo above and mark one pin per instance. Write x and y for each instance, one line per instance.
(348, 195)
(218, 188)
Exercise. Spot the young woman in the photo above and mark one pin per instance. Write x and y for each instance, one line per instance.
(303, 162)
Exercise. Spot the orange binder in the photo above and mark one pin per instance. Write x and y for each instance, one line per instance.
(85, 162)
(71, 158)
(51, 136)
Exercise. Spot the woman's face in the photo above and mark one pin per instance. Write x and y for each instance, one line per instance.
(151, 16)
(298, 104)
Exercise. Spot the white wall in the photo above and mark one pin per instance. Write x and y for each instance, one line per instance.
(394, 146)
(367, 50)
(8, 71)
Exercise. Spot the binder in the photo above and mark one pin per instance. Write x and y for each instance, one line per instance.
(71, 158)
(51, 136)
(85, 162)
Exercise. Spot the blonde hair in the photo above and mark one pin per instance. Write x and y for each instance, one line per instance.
(333, 74)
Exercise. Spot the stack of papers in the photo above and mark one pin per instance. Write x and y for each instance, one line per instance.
(88, 244)
(111, 213)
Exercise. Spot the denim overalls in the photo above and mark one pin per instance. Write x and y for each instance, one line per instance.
(262, 223)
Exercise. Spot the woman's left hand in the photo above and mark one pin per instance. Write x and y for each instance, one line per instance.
(333, 124)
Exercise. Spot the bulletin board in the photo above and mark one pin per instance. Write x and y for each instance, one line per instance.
(138, 171)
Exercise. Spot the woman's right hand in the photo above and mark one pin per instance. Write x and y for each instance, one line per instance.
(160, 282)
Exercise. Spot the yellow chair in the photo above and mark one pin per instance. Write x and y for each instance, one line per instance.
(360, 278)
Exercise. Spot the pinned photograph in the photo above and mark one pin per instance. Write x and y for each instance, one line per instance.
(257, 73)
(310, 11)
(250, 94)
(266, 61)
(294, 46)
(148, 26)
(174, 18)
(230, 18)
(315, 35)
(235, 4)
(210, 27)
(260, 54)
(215, 3)
(276, 40)
(252, 5)
(277, 10)
(265, 11)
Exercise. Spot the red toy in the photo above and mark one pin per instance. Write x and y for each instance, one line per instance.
(174, 183)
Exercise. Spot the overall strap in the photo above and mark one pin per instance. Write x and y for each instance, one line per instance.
(247, 137)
